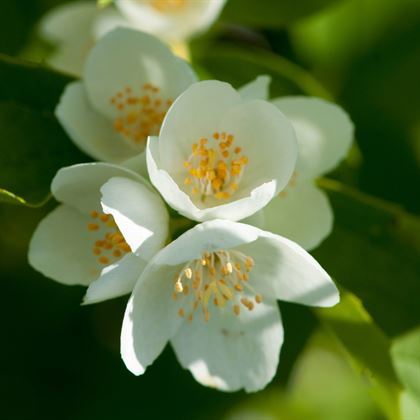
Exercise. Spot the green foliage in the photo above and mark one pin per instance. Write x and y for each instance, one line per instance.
(374, 251)
(270, 13)
(33, 145)
(367, 349)
(406, 356)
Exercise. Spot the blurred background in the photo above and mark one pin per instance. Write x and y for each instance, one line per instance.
(359, 361)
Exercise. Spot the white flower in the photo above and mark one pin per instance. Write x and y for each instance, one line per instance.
(172, 20)
(73, 29)
(302, 211)
(130, 80)
(79, 244)
(221, 155)
(212, 293)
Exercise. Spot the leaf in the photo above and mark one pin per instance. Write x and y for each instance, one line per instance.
(367, 348)
(270, 13)
(406, 356)
(17, 19)
(33, 145)
(238, 66)
(104, 3)
(374, 252)
(410, 407)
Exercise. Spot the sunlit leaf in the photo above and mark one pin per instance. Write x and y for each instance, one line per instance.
(367, 348)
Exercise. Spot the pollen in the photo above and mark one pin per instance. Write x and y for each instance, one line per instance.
(215, 167)
(217, 279)
(111, 245)
(139, 114)
(168, 6)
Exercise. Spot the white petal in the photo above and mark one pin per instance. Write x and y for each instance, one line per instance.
(195, 114)
(79, 185)
(108, 19)
(303, 214)
(139, 213)
(180, 201)
(126, 57)
(206, 237)
(150, 318)
(64, 22)
(232, 352)
(61, 247)
(257, 88)
(324, 133)
(267, 137)
(137, 164)
(92, 132)
(295, 275)
(115, 280)
(194, 17)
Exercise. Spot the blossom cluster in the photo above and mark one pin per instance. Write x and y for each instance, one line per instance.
(237, 166)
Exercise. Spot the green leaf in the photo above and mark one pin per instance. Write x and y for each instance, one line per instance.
(33, 144)
(367, 348)
(406, 356)
(374, 252)
(270, 13)
(410, 407)
(238, 66)
(104, 3)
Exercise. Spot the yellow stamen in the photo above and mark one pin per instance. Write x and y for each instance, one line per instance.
(212, 171)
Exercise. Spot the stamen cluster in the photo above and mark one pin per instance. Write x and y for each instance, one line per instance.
(113, 245)
(219, 277)
(215, 169)
(139, 116)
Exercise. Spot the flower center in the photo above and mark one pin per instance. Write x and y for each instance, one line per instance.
(139, 115)
(111, 245)
(215, 167)
(168, 6)
(220, 278)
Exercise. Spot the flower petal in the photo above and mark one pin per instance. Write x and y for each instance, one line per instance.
(115, 280)
(267, 137)
(232, 352)
(195, 114)
(257, 88)
(150, 318)
(67, 21)
(324, 133)
(79, 185)
(303, 214)
(61, 247)
(180, 201)
(295, 275)
(193, 17)
(68, 26)
(206, 237)
(92, 133)
(132, 58)
(139, 213)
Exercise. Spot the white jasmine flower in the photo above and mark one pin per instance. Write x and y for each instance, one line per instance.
(221, 155)
(212, 293)
(172, 20)
(77, 243)
(73, 29)
(130, 81)
(302, 211)
(324, 131)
